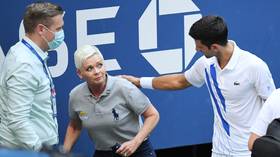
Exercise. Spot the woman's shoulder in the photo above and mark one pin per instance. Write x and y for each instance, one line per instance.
(122, 83)
(78, 89)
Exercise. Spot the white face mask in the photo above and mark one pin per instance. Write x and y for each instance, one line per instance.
(57, 41)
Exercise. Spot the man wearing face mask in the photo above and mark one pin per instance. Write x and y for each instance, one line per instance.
(27, 95)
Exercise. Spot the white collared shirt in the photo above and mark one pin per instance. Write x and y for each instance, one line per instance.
(269, 112)
(25, 103)
(237, 92)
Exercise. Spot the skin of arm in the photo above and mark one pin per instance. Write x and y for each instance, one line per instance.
(72, 134)
(251, 141)
(165, 82)
(151, 118)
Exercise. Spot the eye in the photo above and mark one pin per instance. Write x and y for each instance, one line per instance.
(89, 68)
(99, 66)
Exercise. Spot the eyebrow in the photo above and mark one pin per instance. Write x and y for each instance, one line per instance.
(92, 65)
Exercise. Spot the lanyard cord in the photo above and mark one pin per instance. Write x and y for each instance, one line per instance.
(41, 60)
(47, 72)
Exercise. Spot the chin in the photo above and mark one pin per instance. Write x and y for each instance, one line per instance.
(208, 56)
(100, 81)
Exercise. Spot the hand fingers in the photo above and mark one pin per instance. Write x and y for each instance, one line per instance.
(124, 151)
(125, 154)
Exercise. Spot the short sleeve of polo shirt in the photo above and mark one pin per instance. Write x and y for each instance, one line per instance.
(262, 78)
(195, 75)
(72, 113)
(136, 100)
(269, 112)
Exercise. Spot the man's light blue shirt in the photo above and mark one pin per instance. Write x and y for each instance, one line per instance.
(25, 100)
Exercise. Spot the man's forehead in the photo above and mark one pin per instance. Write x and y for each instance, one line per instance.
(57, 21)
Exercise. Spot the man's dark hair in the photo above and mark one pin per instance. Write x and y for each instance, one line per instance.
(40, 13)
(210, 30)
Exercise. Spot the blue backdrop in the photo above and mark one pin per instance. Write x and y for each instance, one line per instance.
(150, 38)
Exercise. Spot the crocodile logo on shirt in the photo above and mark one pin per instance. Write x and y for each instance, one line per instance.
(236, 83)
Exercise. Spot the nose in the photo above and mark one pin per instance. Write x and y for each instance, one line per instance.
(96, 70)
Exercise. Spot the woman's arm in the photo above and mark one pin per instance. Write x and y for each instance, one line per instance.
(72, 134)
(151, 118)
